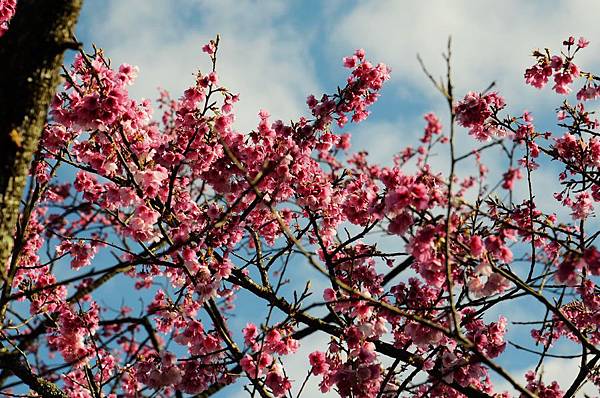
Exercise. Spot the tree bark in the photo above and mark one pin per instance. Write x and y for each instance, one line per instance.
(31, 54)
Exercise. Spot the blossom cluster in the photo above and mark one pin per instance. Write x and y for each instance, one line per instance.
(199, 216)
(562, 68)
(7, 11)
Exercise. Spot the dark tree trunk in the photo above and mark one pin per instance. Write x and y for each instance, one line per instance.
(31, 54)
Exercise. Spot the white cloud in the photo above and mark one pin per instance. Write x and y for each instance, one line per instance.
(563, 371)
(270, 66)
(491, 40)
(297, 366)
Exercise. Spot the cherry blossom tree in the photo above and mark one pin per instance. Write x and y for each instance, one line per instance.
(198, 217)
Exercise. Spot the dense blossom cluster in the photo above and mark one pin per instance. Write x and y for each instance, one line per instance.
(562, 68)
(7, 11)
(474, 112)
(195, 215)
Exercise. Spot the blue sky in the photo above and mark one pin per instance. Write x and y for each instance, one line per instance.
(275, 53)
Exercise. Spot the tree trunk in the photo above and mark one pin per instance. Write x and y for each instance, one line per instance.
(31, 54)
